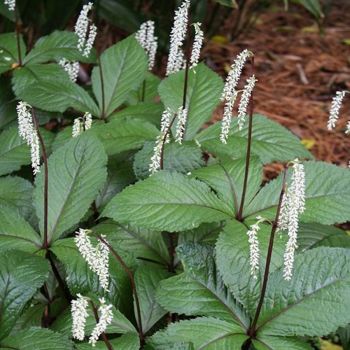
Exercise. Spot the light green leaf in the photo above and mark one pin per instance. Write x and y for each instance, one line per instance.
(16, 193)
(315, 302)
(204, 90)
(150, 112)
(313, 6)
(271, 141)
(16, 233)
(316, 235)
(14, 152)
(227, 179)
(232, 257)
(21, 275)
(277, 343)
(167, 202)
(48, 87)
(128, 341)
(182, 158)
(141, 243)
(124, 135)
(327, 195)
(57, 45)
(76, 173)
(200, 290)
(124, 66)
(147, 278)
(9, 51)
(38, 339)
(205, 333)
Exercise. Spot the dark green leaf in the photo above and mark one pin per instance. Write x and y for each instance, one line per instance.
(76, 173)
(9, 51)
(167, 201)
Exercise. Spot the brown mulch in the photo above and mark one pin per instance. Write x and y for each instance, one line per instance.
(299, 70)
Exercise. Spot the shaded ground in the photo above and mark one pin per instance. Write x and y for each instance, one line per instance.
(299, 71)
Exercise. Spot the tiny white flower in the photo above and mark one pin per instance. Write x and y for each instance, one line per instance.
(197, 45)
(72, 68)
(226, 120)
(244, 102)
(293, 204)
(254, 250)
(11, 4)
(87, 120)
(86, 35)
(335, 109)
(181, 124)
(156, 157)
(105, 319)
(347, 130)
(79, 316)
(177, 37)
(146, 38)
(97, 257)
(28, 132)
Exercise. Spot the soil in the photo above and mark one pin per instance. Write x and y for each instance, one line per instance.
(299, 70)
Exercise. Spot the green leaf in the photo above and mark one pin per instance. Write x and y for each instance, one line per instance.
(232, 257)
(204, 90)
(9, 51)
(205, 333)
(148, 90)
(14, 152)
(200, 291)
(38, 339)
(227, 179)
(167, 202)
(313, 6)
(141, 244)
(228, 3)
(120, 175)
(128, 341)
(57, 45)
(16, 233)
(327, 195)
(8, 113)
(278, 343)
(124, 135)
(48, 87)
(21, 275)
(76, 173)
(206, 233)
(150, 112)
(124, 66)
(315, 302)
(316, 235)
(182, 158)
(271, 141)
(147, 278)
(16, 193)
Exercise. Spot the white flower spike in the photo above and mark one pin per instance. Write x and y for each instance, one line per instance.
(254, 250)
(164, 133)
(29, 133)
(105, 319)
(146, 38)
(11, 4)
(177, 37)
(293, 204)
(181, 124)
(81, 124)
(86, 35)
(197, 45)
(97, 257)
(244, 102)
(72, 68)
(79, 316)
(335, 109)
(230, 93)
